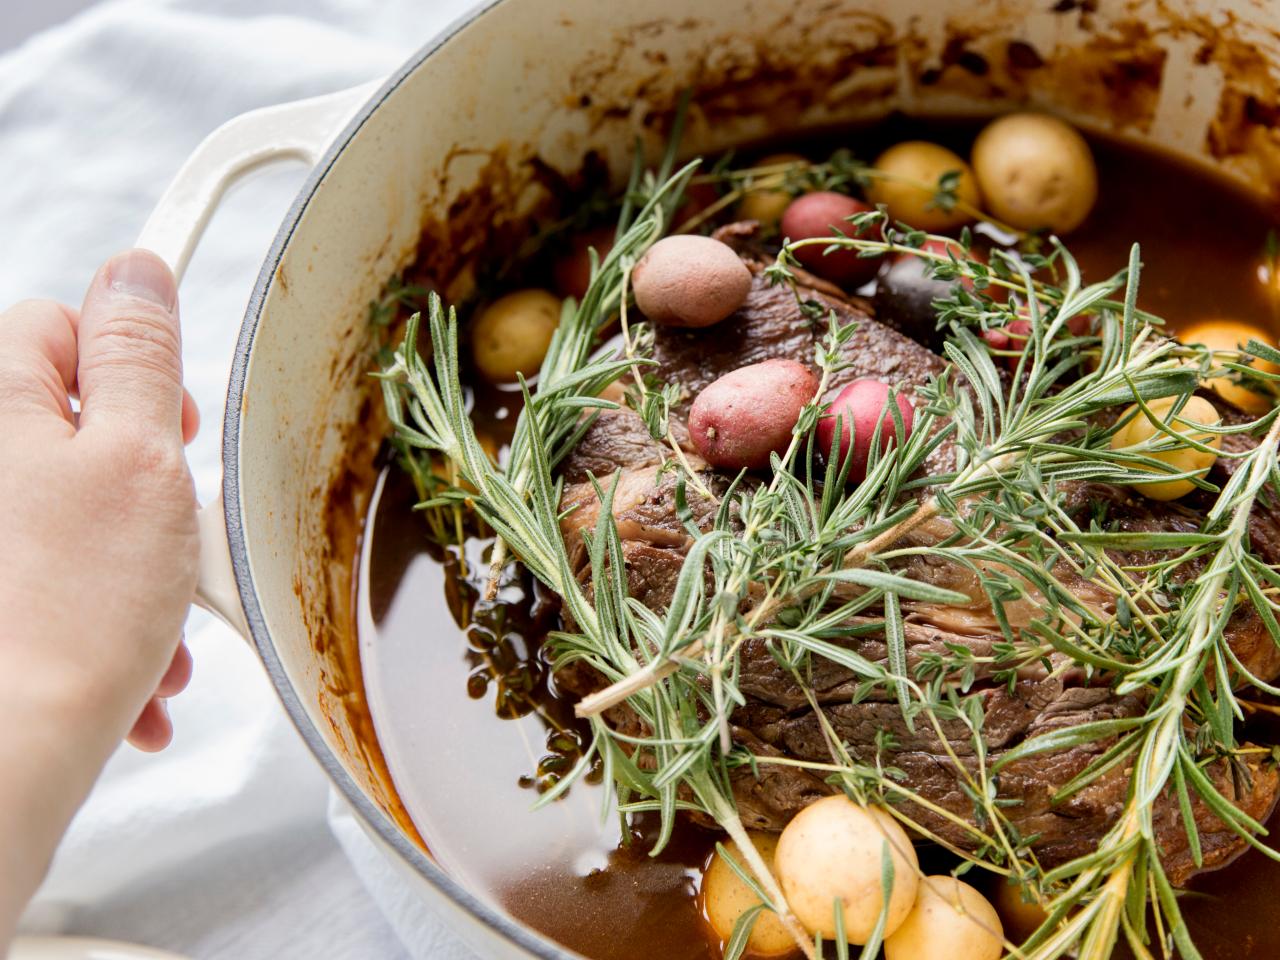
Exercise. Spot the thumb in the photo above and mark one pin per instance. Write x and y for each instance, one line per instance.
(130, 347)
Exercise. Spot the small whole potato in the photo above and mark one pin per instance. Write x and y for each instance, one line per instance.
(820, 214)
(949, 921)
(1020, 918)
(831, 851)
(697, 198)
(857, 409)
(768, 206)
(906, 289)
(911, 173)
(1012, 340)
(749, 413)
(511, 335)
(571, 271)
(1197, 410)
(725, 898)
(1035, 172)
(690, 281)
(1233, 335)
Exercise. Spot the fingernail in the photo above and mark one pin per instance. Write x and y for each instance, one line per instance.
(138, 273)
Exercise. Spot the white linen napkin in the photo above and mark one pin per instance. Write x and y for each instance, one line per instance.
(219, 847)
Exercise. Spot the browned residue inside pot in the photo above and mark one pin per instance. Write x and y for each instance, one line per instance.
(816, 56)
(1247, 125)
(477, 228)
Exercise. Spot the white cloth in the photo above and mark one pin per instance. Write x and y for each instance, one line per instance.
(218, 848)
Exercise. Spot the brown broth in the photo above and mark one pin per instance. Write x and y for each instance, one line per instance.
(498, 727)
(560, 869)
(1202, 237)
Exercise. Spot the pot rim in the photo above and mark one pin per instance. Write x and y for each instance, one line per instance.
(517, 933)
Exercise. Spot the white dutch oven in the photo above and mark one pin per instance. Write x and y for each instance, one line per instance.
(438, 160)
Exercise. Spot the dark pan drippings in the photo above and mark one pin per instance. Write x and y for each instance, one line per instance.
(1202, 237)
(502, 731)
(560, 870)
(569, 877)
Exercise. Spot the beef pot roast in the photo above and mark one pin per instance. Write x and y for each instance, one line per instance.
(778, 719)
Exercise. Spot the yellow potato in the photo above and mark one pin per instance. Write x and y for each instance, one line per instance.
(1035, 172)
(1020, 918)
(912, 170)
(831, 851)
(725, 898)
(1233, 335)
(512, 334)
(767, 206)
(1140, 429)
(950, 921)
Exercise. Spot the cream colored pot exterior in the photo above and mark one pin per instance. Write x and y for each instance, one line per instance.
(554, 79)
(81, 948)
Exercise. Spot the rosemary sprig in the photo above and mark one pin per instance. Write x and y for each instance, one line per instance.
(804, 560)
(648, 203)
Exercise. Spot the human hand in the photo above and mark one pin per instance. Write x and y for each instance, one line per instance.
(100, 549)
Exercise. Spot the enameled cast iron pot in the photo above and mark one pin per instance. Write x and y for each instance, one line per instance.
(448, 157)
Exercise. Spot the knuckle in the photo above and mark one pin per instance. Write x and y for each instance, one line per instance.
(141, 336)
(161, 460)
(148, 460)
(32, 306)
(22, 382)
(41, 323)
(15, 379)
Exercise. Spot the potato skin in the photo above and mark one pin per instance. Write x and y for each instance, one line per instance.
(815, 215)
(832, 849)
(725, 898)
(1140, 429)
(572, 270)
(924, 162)
(1017, 335)
(739, 419)
(767, 206)
(1035, 172)
(690, 281)
(950, 920)
(858, 408)
(905, 292)
(511, 335)
(1233, 335)
(1019, 918)
(697, 197)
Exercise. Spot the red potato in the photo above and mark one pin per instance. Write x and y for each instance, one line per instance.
(571, 272)
(1018, 332)
(815, 215)
(697, 197)
(749, 413)
(858, 408)
(690, 281)
(943, 247)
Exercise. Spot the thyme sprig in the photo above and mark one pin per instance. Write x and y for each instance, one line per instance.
(805, 560)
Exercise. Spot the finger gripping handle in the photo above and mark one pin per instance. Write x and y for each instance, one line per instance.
(298, 131)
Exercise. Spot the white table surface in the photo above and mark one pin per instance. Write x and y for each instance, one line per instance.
(221, 846)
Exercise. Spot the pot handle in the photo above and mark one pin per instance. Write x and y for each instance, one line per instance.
(299, 131)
